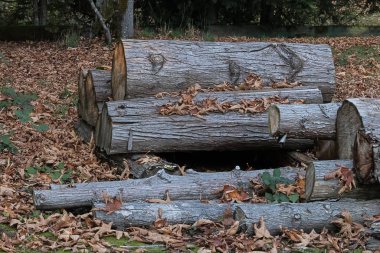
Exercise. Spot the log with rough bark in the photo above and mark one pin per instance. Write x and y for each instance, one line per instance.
(81, 91)
(135, 126)
(306, 216)
(317, 188)
(373, 231)
(358, 136)
(193, 185)
(147, 67)
(97, 90)
(313, 121)
(175, 212)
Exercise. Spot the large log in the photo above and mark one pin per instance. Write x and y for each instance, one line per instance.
(135, 126)
(194, 185)
(97, 88)
(306, 216)
(145, 214)
(313, 121)
(317, 188)
(146, 67)
(358, 136)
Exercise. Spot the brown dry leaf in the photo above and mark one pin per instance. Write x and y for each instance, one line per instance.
(113, 205)
(260, 230)
(285, 84)
(203, 222)
(160, 221)
(228, 219)
(160, 201)
(231, 193)
(5, 191)
(148, 159)
(233, 229)
(345, 177)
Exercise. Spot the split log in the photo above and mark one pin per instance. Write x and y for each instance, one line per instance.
(147, 67)
(135, 126)
(81, 91)
(303, 121)
(137, 214)
(306, 216)
(97, 91)
(192, 186)
(317, 188)
(358, 136)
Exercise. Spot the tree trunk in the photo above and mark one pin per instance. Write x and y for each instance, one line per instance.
(135, 126)
(97, 91)
(303, 121)
(35, 12)
(306, 216)
(107, 32)
(142, 68)
(193, 185)
(127, 29)
(138, 214)
(317, 188)
(42, 12)
(358, 123)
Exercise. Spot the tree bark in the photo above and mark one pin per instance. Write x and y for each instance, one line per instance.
(317, 188)
(97, 91)
(107, 32)
(306, 216)
(127, 27)
(138, 214)
(358, 123)
(42, 12)
(142, 68)
(193, 185)
(135, 126)
(303, 121)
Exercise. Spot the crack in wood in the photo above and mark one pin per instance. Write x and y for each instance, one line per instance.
(234, 70)
(288, 56)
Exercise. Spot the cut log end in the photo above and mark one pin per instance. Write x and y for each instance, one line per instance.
(91, 108)
(310, 181)
(274, 120)
(362, 156)
(119, 73)
(347, 124)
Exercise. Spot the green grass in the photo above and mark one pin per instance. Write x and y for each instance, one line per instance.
(127, 242)
(360, 53)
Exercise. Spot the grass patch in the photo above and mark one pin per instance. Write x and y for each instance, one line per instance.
(136, 245)
(8, 230)
(71, 39)
(49, 235)
(360, 53)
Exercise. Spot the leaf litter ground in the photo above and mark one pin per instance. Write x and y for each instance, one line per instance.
(49, 151)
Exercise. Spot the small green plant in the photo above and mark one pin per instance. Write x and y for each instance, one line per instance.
(271, 181)
(4, 59)
(55, 172)
(6, 144)
(22, 102)
(71, 39)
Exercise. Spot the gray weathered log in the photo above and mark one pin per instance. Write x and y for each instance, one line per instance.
(175, 212)
(194, 185)
(97, 91)
(81, 91)
(358, 122)
(306, 216)
(317, 188)
(373, 242)
(313, 121)
(135, 126)
(146, 67)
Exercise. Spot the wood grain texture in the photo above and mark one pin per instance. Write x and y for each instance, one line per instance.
(194, 185)
(317, 188)
(147, 67)
(81, 91)
(313, 121)
(306, 216)
(135, 126)
(97, 91)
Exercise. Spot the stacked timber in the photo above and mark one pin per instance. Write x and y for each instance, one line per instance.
(136, 126)
(358, 137)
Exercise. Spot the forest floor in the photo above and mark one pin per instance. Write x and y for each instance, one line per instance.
(38, 146)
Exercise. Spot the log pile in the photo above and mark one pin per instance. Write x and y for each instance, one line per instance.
(230, 97)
